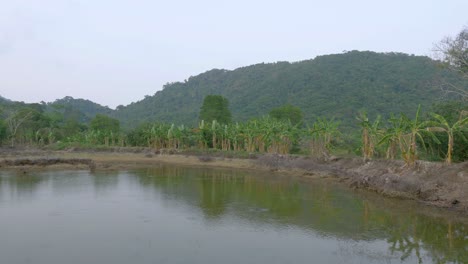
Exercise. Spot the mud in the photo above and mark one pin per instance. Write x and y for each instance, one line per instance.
(42, 162)
(429, 182)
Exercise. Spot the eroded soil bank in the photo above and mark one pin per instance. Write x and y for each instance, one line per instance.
(429, 182)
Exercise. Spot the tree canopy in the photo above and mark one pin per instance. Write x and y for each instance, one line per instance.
(215, 107)
(105, 123)
(332, 86)
(287, 113)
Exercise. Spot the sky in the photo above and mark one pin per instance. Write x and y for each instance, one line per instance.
(115, 52)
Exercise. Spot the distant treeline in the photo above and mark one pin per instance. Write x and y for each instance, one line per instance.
(440, 134)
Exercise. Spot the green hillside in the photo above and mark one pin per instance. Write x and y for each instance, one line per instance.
(4, 101)
(83, 110)
(336, 86)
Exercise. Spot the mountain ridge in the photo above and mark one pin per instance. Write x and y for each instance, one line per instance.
(334, 86)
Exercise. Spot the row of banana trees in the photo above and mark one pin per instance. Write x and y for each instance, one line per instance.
(403, 137)
(263, 135)
(98, 137)
(397, 137)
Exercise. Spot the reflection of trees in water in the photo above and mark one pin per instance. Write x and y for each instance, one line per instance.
(411, 234)
(404, 240)
(320, 207)
(214, 194)
(104, 182)
(20, 185)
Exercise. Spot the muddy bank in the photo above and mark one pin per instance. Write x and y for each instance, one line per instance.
(431, 183)
(43, 162)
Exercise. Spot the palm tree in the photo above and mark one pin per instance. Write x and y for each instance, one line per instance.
(440, 124)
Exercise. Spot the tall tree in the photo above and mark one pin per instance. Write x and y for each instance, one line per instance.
(215, 107)
(288, 113)
(106, 129)
(14, 121)
(105, 123)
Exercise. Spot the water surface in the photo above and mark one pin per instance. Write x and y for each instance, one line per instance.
(172, 214)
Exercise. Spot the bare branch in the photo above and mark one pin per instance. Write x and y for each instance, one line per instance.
(453, 53)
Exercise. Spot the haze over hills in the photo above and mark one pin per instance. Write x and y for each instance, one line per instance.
(335, 86)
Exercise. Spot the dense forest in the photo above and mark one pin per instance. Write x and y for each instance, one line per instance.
(337, 86)
(376, 105)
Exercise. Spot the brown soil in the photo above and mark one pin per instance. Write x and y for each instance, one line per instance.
(432, 183)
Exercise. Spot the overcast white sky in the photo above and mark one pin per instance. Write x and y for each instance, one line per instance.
(117, 51)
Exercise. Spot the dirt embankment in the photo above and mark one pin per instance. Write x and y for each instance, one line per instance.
(429, 182)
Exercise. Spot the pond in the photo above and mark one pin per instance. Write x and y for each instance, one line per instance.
(170, 214)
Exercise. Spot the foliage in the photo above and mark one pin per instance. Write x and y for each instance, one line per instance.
(331, 86)
(370, 133)
(104, 130)
(440, 124)
(444, 130)
(80, 110)
(323, 133)
(105, 123)
(3, 131)
(215, 107)
(452, 112)
(288, 113)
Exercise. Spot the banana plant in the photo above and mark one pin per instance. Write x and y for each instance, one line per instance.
(440, 124)
(416, 128)
(393, 137)
(322, 133)
(370, 134)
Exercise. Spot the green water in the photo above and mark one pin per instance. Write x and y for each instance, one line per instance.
(173, 214)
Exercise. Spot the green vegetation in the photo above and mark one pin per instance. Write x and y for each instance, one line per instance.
(328, 93)
(105, 123)
(335, 86)
(82, 110)
(288, 113)
(440, 135)
(215, 108)
(3, 130)
(442, 125)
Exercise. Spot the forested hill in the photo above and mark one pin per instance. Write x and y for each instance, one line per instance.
(3, 100)
(337, 86)
(86, 108)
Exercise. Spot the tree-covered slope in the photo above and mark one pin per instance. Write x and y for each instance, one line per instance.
(3, 99)
(332, 85)
(85, 110)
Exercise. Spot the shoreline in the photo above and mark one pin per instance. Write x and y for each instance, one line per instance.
(430, 183)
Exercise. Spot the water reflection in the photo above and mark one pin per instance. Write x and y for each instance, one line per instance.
(360, 221)
(19, 185)
(320, 207)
